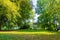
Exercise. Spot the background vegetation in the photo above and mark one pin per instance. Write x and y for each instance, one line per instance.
(17, 14)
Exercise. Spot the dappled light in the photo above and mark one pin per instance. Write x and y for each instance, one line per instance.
(16, 32)
(29, 19)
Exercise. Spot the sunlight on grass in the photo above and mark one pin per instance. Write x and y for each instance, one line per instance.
(14, 32)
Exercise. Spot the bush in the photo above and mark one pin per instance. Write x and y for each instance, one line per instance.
(25, 27)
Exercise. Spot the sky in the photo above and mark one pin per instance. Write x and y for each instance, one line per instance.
(34, 6)
(34, 2)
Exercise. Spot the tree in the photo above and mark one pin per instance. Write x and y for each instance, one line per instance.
(8, 13)
(49, 14)
(25, 12)
(15, 13)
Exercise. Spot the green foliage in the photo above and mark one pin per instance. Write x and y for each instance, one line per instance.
(15, 13)
(25, 12)
(8, 13)
(49, 15)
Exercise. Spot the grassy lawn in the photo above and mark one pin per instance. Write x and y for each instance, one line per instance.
(16, 35)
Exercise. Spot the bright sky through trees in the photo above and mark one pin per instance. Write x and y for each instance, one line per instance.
(34, 2)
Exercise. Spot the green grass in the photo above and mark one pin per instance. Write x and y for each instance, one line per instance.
(31, 30)
(19, 32)
(15, 35)
(29, 37)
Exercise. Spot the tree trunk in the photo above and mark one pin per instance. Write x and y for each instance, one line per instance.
(0, 28)
(0, 25)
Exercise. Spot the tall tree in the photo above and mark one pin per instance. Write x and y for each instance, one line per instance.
(15, 13)
(8, 13)
(25, 12)
(49, 13)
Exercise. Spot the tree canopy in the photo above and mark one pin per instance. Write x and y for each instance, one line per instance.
(13, 12)
(49, 13)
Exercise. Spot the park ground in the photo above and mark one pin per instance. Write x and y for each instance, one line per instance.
(18, 35)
